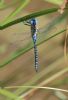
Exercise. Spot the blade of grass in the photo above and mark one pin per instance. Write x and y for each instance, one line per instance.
(29, 47)
(65, 48)
(60, 82)
(55, 1)
(64, 70)
(4, 5)
(65, 44)
(36, 14)
(60, 18)
(39, 87)
(15, 12)
(1, 2)
(9, 94)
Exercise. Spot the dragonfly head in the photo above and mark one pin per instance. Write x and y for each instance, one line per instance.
(33, 21)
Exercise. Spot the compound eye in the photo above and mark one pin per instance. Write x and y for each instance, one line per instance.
(31, 22)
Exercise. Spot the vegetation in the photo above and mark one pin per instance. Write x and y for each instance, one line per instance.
(9, 21)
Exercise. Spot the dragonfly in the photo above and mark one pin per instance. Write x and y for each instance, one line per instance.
(33, 24)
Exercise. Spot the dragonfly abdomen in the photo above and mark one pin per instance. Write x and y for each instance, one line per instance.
(36, 57)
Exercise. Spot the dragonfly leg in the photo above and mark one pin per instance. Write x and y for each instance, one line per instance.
(27, 23)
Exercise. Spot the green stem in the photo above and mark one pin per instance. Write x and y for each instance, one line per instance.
(36, 14)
